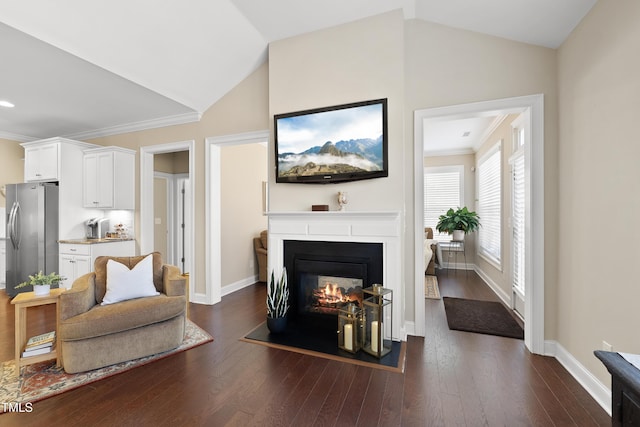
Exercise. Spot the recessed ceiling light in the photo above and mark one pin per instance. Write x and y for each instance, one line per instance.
(6, 104)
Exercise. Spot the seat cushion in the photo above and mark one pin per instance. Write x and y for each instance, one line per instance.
(122, 316)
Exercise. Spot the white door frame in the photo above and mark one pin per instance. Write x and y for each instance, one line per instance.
(213, 148)
(146, 199)
(534, 199)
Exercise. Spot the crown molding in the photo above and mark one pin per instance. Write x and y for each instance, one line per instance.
(137, 126)
(16, 137)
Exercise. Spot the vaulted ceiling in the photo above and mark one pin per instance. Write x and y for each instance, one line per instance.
(84, 69)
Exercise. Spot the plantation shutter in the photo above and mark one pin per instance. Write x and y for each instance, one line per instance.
(442, 190)
(518, 217)
(489, 204)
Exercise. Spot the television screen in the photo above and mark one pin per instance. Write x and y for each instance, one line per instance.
(332, 144)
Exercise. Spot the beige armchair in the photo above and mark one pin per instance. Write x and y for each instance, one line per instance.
(92, 335)
(260, 246)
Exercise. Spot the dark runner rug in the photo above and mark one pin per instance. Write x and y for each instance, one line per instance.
(483, 317)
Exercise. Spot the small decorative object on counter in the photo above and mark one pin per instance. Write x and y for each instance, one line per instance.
(350, 328)
(378, 323)
(121, 231)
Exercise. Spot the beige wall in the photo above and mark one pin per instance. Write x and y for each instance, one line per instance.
(243, 109)
(355, 62)
(446, 66)
(243, 170)
(12, 169)
(598, 184)
(172, 163)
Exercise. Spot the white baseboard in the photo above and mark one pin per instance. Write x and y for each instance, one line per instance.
(597, 390)
(240, 284)
(506, 299)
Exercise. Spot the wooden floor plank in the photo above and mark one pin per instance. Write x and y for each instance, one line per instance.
(450, 378)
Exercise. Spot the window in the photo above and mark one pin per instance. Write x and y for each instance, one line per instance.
(442, 190)
(489, 205)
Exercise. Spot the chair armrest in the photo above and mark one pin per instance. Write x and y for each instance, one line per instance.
(174, 283)
(80, 298)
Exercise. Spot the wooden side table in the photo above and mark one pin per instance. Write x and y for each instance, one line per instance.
(23, 301)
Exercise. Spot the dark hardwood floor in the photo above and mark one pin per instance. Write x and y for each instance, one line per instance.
(451, 378)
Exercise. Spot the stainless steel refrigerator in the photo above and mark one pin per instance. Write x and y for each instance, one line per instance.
(32, 232)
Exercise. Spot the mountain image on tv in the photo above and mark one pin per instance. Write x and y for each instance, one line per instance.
(363, 155)
(331, 142)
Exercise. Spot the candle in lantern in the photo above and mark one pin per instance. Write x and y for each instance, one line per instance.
(348, 337)
(374, 335)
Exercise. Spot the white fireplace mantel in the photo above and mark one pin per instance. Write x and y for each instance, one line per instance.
(345, 226)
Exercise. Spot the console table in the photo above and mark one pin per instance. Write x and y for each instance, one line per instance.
(625, 389)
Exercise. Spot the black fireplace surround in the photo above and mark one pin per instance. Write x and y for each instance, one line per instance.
(355, 263)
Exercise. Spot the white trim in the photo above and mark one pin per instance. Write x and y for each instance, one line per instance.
(16, 137)
(177, 119)
(146, 201)
(213, 209)
(600, 392)
(240, 284)
(534, 168)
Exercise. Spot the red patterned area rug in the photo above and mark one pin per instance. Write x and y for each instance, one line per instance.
(42, 380)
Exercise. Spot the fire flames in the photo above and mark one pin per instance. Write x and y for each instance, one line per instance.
(331, 296)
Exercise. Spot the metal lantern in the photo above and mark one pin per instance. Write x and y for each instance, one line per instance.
(350, 328)
(377, 322)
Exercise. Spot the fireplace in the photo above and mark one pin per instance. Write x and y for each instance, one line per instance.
(383, 229)
(325, 276)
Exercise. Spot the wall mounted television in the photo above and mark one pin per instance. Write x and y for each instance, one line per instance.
(332, 144)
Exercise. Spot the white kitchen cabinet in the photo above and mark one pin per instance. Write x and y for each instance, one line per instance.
(60, 160)
(77, 257)
(41, 162)
(109, 178)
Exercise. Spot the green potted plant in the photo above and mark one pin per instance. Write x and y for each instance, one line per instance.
(41, 282)
(458, 222)
(277, 302)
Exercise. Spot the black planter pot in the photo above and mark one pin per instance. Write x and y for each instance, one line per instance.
(276, 325)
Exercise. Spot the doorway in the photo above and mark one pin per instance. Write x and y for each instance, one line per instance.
(532, 107)
(147, 210)
(171, 216)
(213, 230)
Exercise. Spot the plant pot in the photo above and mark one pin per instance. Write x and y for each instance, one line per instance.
(458, 235)
(41, 290)
(276, 325)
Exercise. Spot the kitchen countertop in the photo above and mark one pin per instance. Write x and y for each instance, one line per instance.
(94, 241)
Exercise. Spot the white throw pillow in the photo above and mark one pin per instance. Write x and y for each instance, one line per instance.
(124, 284)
